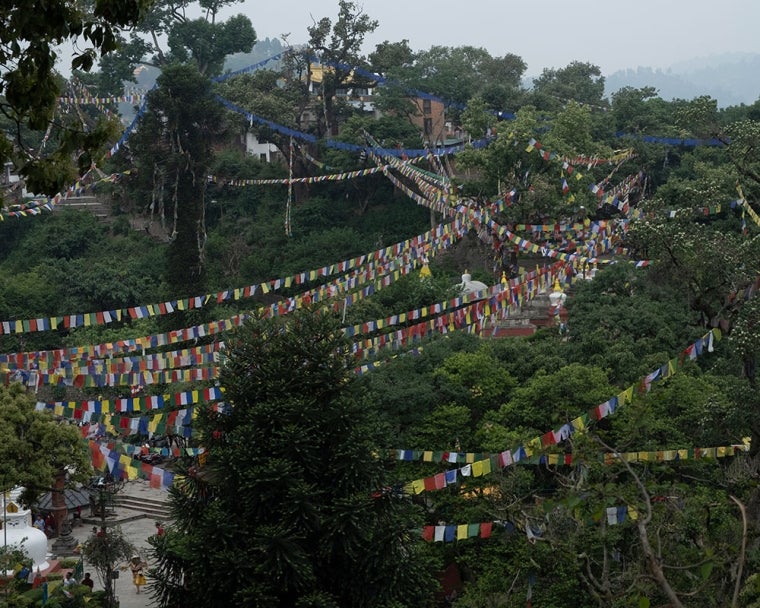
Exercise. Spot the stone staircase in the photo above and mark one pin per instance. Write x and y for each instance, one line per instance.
(92, 204)
(154, 508)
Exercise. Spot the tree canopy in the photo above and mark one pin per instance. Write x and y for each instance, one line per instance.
(34, 447)
(373, 415)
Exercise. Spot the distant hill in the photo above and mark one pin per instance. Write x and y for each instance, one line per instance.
(732, 79)
(264, 49)
(146, 75)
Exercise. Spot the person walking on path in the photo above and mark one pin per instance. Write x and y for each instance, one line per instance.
(137, 565)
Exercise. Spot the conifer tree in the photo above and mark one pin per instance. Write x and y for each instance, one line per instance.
(291, 507)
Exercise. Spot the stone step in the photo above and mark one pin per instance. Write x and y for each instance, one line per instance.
(156, 508)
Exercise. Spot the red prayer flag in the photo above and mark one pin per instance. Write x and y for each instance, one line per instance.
(485, 529)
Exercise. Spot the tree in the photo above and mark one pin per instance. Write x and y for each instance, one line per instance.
(34, 447)
(459, 73)
(292, 487)
(578, 81)
(30, 87)
(173, 151)
(338, 46)
(104, 550)
(204, 41)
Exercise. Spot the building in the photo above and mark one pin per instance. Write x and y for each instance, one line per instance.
(265, 151)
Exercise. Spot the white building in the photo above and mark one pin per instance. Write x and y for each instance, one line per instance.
(266, 152)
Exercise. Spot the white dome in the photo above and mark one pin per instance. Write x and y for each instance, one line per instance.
(469, 286)
(19, 533)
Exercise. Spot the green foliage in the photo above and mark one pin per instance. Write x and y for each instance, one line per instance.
(338, 45)
(295, 485)
(173, 155)
(550, 400)
(309, 528)
(30, 86)
(204, 41)
(108, 552)
(34, 447)
(458, 74)
(578, 81)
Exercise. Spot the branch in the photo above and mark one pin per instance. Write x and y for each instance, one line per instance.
(742, 554)
(641, 523)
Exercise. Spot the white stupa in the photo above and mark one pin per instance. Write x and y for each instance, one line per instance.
(468, 286)
(18, 532)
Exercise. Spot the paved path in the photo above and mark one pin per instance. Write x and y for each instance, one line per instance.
(136, 531)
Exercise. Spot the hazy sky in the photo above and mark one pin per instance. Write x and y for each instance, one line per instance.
(546, 33)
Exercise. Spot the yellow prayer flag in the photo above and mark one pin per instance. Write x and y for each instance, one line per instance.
(462, 532)
(633, 513)
(418, 486)
(486, 466)
(427, 456)
(477, 468)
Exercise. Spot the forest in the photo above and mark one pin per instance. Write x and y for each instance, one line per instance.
(356, 428)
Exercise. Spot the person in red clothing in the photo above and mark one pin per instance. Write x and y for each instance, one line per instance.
(159, 529)
(88, 581)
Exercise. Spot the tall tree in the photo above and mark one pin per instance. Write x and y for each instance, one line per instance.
(173, 150)
(205, 40)
(578, 81)
(338, 47)
(459, 73)
(292, 486)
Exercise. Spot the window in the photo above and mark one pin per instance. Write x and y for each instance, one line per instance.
(426, 106)
(428, 126)
(263, 157)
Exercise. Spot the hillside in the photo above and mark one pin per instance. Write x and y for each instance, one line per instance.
(732, 79)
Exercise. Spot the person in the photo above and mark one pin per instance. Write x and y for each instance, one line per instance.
(50, 526)
(88, 581)
(68, 582)
(159, 529)
(137, 565)
(39, 522)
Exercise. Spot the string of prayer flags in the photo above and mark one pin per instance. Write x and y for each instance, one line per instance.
(122, 466)
(316, 179)
(579, 424)
(177, 422)
(451, 533)
(35, 378)
(669, 455)
(431, 241)
(142, 450)
(133, 404)
(482, 220)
